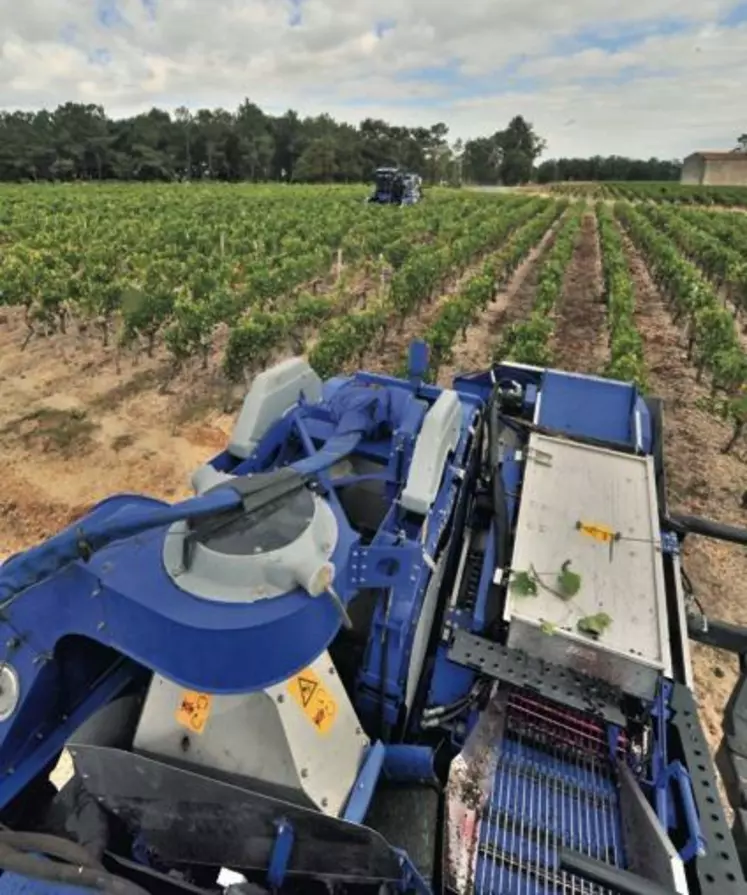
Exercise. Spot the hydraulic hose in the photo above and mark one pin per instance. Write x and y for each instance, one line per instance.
(47, 844)
(99, 880)
(698, 526)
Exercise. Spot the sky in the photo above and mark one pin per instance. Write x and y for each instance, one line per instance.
(660, 77)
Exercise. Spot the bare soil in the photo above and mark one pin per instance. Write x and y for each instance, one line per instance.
(580, 342)
(77, 423)
(701, 481)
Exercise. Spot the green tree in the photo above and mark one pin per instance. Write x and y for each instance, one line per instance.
(318, 162)
(519, 148)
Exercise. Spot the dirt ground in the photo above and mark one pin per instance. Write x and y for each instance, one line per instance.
(73, 430)
(702, 481)
(580, 341)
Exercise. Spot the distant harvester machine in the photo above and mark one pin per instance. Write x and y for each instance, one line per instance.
(393, 186)
(404, 639)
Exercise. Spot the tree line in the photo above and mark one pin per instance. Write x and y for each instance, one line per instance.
(79, 141)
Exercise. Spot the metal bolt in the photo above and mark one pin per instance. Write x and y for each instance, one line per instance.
(281, 698)
(358, 731)
(331, 670)
(304, 773)
(325, 802)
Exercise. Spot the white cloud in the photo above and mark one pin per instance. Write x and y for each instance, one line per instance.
(659, 95)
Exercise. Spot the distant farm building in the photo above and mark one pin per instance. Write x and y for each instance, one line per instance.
(715, 168)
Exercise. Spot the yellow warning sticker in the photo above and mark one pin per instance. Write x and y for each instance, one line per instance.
(193, 710)
(316, 702)
(599, 532)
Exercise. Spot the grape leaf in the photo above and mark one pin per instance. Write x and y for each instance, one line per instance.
(569, 582)
(524, 585)
(594, 625)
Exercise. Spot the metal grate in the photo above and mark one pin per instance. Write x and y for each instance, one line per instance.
(553, 786)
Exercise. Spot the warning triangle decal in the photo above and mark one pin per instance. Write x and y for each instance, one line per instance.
(306, 688)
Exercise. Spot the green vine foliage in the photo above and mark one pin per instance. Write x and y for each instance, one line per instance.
(713, 340)
(626, 346)
(528, 341)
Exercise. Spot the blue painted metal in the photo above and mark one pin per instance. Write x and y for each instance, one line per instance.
(417, 363)
(123, 599)
(538, 800)
(281, 852)
(404, 763)
(479, 618)
(665, 773)
(382, 680)
(583, 405)
(695, 845)
(365, 784)
(45, 727)
(12, 884)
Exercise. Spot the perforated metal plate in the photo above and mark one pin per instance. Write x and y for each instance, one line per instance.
(559, 684)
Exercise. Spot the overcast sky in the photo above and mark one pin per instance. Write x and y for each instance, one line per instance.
(659, 77)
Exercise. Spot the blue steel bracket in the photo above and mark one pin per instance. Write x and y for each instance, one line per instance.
(696, 843)
(360, 796)
(417, 362)
(281, 852)
(412, 880)
(385, 566)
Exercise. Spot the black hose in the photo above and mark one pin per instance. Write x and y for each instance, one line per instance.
(15, 861)
(47, 844)
(698, 526)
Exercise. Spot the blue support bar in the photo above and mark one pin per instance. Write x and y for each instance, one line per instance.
(365, 784)
(417, 364)
(281, 852)
(696, 844)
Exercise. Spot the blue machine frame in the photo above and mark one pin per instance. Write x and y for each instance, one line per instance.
(95, 610)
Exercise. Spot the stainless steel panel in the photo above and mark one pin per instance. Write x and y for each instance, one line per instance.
(596, 509)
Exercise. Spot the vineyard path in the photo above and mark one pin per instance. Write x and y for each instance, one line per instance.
(581, 337)
(512, 303)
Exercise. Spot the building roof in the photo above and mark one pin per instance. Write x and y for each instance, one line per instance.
(735, 155)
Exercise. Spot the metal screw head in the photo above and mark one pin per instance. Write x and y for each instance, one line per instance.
(281, 698)
(325, 802)
(304, 773)
(10, 691)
